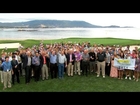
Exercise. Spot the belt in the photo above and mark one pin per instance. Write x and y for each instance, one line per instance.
(61, 63)
(85, 61)
(28, 66)
(101, 61)
(7, 71)
(36, 65)
(53, 63)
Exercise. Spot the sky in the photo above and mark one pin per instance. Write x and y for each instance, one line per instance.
(103, 19)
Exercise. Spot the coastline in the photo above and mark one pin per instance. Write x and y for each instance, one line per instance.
(22, 39)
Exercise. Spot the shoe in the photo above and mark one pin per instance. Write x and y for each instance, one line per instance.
(137, 80)
(97, 75)
(4, 88)
(126, 77)
(129, 78)
(134, 79)
(9, 86)
(103, 76)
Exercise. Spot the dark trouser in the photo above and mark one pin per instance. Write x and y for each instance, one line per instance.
(85, 67)
(53, 70)
(16, 73)
(92, 65)
(36, 73)
(32, 71)
(28, 70)
(81, 65)
(107, 69)
(20, 69)
(65, 69)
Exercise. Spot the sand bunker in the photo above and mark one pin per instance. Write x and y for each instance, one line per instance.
(9, 45)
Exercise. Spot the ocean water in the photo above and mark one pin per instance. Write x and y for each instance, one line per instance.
(58, 33)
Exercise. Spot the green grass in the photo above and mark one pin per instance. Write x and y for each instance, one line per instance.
(76, 84)
(105, 41)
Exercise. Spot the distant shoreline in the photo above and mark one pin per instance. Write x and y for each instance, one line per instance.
(21, 39)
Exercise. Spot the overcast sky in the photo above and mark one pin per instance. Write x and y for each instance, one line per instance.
(103, 19)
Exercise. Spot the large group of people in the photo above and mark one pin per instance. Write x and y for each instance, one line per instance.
(49, 61)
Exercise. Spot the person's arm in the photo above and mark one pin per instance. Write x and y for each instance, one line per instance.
(1, 65)
(109, 59)
(88, 58)
(33, 61)
(11, 68)
(65, 61)
(105, 57)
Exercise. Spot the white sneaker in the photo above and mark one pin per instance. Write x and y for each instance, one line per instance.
(125, 77)
(103, 76)
(97, 75)
(129, 78)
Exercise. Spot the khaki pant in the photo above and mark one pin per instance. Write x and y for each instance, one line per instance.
(7, 78)
(1, 76)
(70, 69)
(101, 65)
(77, 66)
(44, 72)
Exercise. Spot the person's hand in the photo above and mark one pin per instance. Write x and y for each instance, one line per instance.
(16, 66)
(12, 72)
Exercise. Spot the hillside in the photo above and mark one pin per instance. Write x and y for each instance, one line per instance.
(53, 24)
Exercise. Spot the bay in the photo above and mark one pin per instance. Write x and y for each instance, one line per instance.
(58, 33)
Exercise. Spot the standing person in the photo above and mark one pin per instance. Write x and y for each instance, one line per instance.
(137, 68)
(44, 64)
(19, 63)
(53, 64)
(61, 60)
(121, 69)
(7, 72)
(133, 56)
(36, 63)
(27, 66)
(114, 70)
(78, 61)
(1, 70)
(128, 72)
(15, 69)
(108, 63)
(85, 62)
(92, 63)
(81, 52)
(66, 68)
(70, 62)
(101, 57)
(22, 55)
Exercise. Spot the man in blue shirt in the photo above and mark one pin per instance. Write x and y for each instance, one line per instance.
(53, 64)
(7, 72)
(36, 63)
